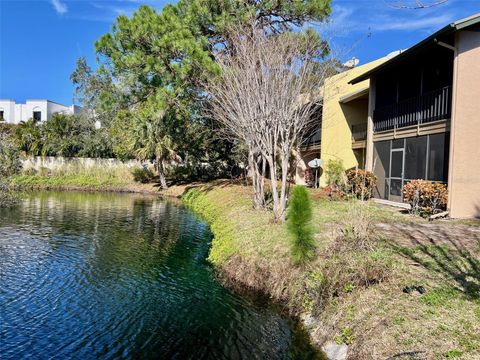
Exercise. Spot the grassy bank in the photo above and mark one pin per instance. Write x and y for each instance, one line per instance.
(84, 179)
(353, 292)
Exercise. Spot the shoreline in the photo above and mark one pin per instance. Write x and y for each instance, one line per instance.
(227, 276)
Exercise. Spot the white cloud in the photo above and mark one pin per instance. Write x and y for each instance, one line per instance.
(426, 23)
(352, 17)
(59, 7)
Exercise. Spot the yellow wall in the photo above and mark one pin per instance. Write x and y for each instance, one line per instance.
(337, 117)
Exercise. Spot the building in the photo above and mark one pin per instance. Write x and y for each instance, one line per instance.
(412, 115)
(340, 131)
(39, 110)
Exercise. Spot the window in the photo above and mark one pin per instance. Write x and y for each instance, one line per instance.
(37, 116)
(1, 116)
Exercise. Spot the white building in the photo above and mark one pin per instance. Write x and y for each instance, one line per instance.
(40, 110)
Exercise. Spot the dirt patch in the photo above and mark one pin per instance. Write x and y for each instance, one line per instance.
(458, 236)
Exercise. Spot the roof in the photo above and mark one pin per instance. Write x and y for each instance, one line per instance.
(450, 28)
(355, 94)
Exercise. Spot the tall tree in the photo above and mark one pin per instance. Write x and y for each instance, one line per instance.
(266, 96)
(167, 56)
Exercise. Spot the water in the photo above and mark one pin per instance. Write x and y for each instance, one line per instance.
(88, 276)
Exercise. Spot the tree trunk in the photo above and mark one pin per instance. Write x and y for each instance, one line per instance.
(258, 196)
(161, 174)
(277, 211)
(283, 190)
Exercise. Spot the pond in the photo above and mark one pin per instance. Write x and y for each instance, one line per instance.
(123, 276)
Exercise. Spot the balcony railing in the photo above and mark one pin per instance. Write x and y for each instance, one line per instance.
(359, 132)
(432, 106)
(312, 140)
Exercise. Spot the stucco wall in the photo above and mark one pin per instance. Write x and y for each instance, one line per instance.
(8, 108)
(56, 163)
(15, 113)
(53, 108)
(336, 133)
(464, 171)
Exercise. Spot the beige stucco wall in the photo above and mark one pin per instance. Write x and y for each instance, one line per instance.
(464, 170)
(337, 117)
(302, 159)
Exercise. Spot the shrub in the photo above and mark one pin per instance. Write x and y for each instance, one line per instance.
(335, 174)
(7, 196)
(9, 157)
(361, 183)
(425, 197)
(142, 174)
(299, 225)
(357, 230)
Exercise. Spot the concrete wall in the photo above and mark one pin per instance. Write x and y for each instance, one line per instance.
(464, 169)
(55, 163)
(337, 117)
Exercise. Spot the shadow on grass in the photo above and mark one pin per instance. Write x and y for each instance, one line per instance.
(454, 255)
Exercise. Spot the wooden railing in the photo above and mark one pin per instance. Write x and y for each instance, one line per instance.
(359, 132)
(432, 106)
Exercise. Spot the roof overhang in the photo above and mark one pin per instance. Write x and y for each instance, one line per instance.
(360, 93)
(450, 28)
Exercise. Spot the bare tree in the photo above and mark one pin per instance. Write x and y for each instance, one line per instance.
(266, 96)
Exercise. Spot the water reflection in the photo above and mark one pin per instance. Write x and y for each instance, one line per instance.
(123, 276)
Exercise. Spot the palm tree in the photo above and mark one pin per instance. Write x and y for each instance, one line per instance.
(152, 141)
(28, 135)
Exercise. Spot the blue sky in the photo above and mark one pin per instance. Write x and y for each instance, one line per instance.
(41, 39)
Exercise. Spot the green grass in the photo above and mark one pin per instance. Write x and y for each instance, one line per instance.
(92, 178)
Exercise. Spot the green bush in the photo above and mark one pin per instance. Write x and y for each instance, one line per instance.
(299, 225)
(361, 183)
(142, 175)
(335, 174)
(9, 157)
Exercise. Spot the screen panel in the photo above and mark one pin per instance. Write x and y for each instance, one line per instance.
(396, 187)
(396, 168)
(381, 167)
(415, 157)
(438, 157)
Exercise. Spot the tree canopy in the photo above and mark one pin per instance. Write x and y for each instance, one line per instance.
(154, 66)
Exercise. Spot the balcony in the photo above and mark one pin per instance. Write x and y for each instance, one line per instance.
(432, 106)
(312, 140)
(359, 132)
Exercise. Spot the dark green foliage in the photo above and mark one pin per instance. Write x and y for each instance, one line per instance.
(9, 155)
(299, 225)
(155, 64)
(142, 175)
(63, 135)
